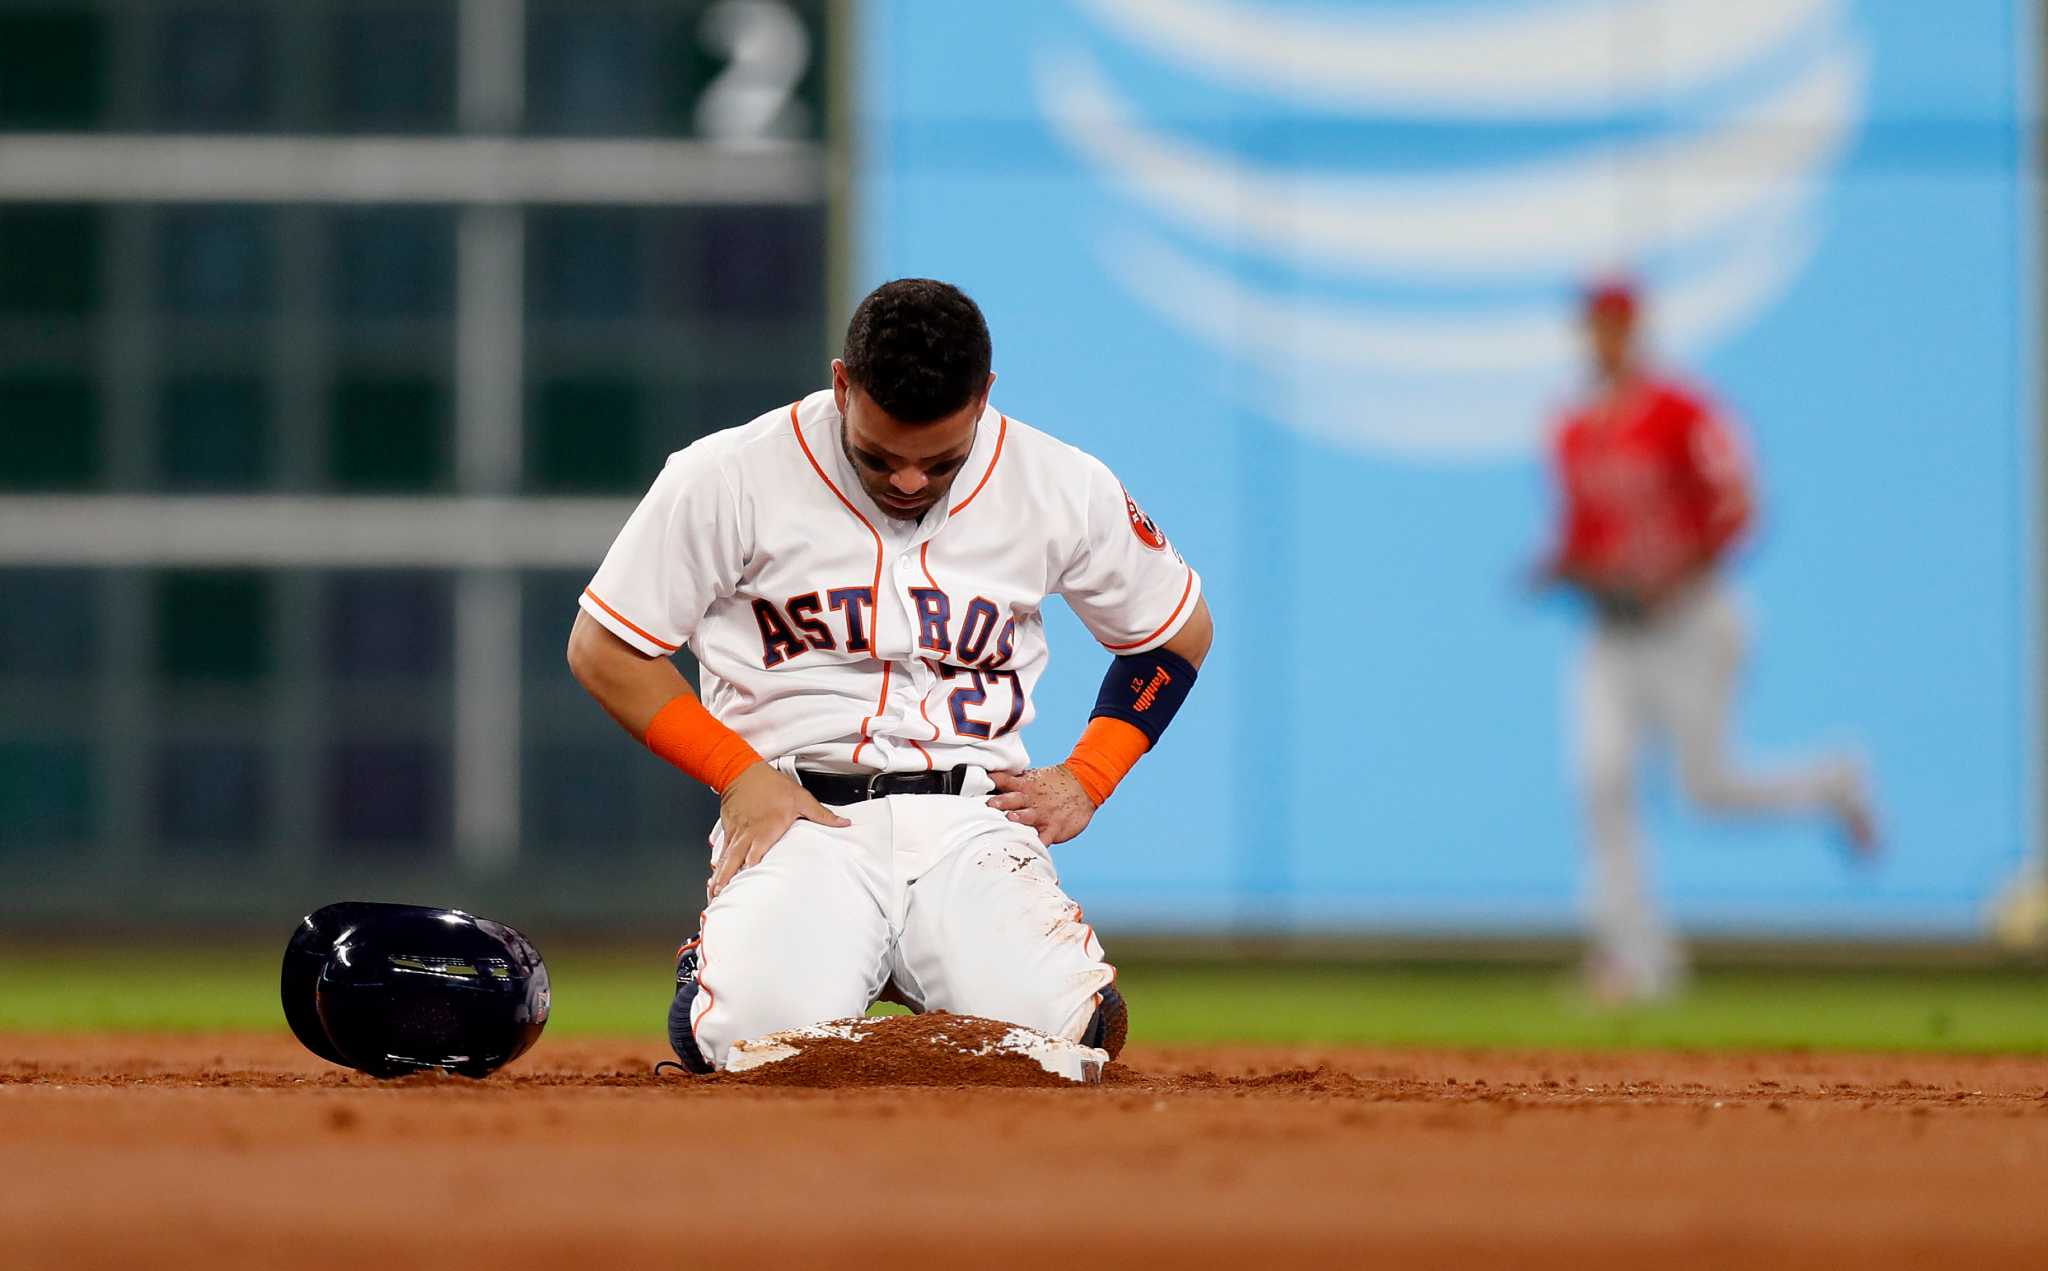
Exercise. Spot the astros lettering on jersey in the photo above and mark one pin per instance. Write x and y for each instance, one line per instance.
(832, 635)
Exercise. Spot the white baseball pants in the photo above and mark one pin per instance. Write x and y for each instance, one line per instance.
(956, 903)
(1673, 677)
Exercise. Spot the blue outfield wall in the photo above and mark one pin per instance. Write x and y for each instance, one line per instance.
(1301, 273)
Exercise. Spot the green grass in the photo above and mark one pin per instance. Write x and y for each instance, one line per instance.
(161, 986)
(1988, 1011)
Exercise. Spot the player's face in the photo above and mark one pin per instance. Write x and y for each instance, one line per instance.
(905, 468)
(1611, 336)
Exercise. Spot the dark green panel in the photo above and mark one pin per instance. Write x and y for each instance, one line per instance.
(217, 261)
(214, 433)
(389, 795)
(45, 794)
(592, 68)
(584, 262)
(213, 625)
(53, 67)
(547, 609)
(388, 433)
(49, 260)
(392, 69)
(49, 432)
(389, 623)
(211, 797)
(584, 436)
(580, 795)
(394, 262)
(216, 68)
(755, 262)
(49, 622)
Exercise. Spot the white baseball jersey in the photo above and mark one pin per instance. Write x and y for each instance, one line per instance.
(832, 634)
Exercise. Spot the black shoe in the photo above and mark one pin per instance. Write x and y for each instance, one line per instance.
(1111, 1025)
(680, 1039)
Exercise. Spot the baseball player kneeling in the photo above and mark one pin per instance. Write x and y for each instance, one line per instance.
(861, 576)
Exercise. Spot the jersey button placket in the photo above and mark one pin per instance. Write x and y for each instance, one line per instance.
(882, 730)
(907, 578)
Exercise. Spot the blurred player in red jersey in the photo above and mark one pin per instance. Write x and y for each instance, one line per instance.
(1655, 491)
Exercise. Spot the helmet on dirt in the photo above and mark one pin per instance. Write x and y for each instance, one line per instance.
(394, 989)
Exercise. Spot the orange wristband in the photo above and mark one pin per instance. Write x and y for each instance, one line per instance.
(686, 735)
(1108, 750)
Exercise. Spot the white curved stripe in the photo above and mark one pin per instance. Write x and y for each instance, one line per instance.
(1570, 214)
(1419, 420)
(1273, 330)
(1576, 57)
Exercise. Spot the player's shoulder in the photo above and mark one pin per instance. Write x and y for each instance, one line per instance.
(764, 438)
(1053, 482)
(1049, 457)
(1068, 496)
(1569, 421)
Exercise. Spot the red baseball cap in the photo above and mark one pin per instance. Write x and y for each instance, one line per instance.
(1611, 296)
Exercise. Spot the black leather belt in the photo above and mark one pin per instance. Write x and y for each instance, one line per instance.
(859, 787)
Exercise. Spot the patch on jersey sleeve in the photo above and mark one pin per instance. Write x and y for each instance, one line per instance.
(1143, 526)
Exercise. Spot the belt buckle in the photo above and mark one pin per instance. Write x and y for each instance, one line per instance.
(873, 783)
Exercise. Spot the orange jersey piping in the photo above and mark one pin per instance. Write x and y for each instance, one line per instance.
(1002, 433)
(1185, 592)
(635, 627)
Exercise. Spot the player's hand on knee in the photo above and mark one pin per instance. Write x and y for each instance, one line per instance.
(1049, 800)
(756, 810)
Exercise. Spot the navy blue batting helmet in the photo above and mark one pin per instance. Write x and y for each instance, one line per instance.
(393, 989)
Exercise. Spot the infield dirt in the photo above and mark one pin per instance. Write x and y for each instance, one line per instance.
(244, 1151)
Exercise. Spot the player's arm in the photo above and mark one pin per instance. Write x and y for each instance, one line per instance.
(650, 699)
(1123, 578)
(1721, 466)
(1191, 643)
(631, 686)
(1568, 563)
(1716, 471)
(679, 550)
(1059, 801)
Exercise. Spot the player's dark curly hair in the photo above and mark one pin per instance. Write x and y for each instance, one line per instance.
(919, 348)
